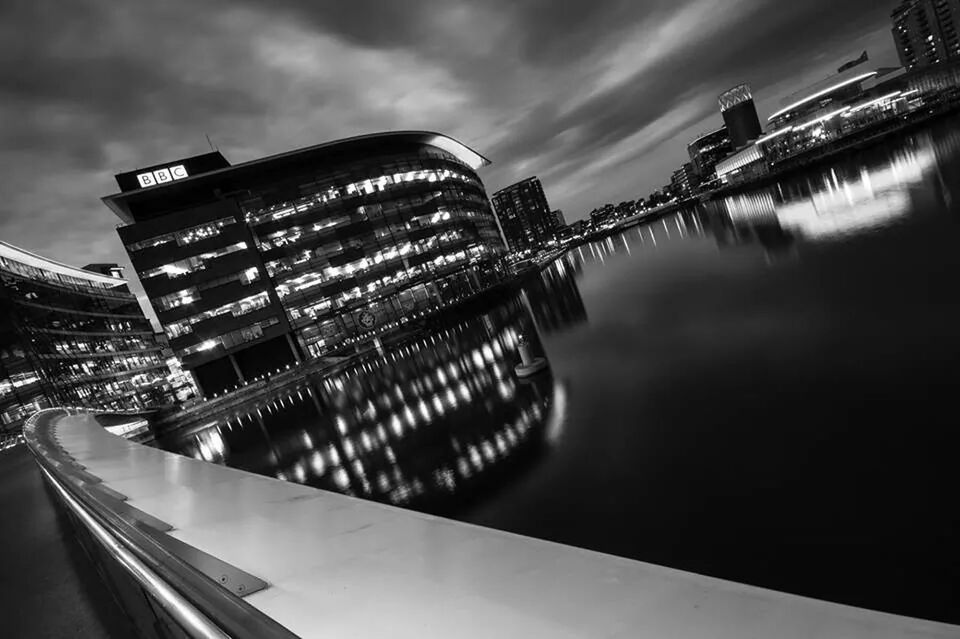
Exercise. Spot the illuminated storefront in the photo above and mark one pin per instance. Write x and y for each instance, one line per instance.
(72, 337)
(255, 266)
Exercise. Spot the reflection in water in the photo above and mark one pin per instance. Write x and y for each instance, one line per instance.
(553, 297)
(431, 418)
(846, 199)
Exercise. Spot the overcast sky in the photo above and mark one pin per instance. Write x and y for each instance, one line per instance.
(599, 98)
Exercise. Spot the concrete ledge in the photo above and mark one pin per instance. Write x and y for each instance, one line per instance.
(337, 566)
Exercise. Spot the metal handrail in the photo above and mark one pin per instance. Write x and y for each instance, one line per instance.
(191, 620)
(202, 608)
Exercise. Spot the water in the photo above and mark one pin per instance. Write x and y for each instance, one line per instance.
(761, 389)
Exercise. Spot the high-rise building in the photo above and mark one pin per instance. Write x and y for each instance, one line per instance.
(558, 218)
(925, 31)
(706, 151)
(253, 267)
(72, 337)
(524, 215)
(684, 181)
(740, 115)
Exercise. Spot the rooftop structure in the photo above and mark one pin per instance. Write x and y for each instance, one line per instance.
(740, 115)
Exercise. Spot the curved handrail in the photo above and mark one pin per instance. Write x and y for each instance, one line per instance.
(202, 608)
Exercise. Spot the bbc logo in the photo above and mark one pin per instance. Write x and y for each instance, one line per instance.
(160, 176)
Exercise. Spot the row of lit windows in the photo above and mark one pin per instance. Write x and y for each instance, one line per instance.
(233, 338)
(17, 380)
(306, 233)
(191, 264)
(236, 308)
(191, 294)
(368, 186)
(388, 283)
(184, 236)
(80, 346)
(102, 365)
(412, 295)
(358, 267)
(374, 251)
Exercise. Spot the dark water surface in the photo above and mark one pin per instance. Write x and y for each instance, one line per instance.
(763, 389)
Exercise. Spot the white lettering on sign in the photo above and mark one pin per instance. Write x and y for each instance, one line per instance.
(162, 176)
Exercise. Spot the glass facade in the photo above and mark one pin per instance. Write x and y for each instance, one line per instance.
(72, 338)
(315, 249)
(706, 151)
(524, 215)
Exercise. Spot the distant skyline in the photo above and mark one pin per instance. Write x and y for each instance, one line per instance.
(598, 99)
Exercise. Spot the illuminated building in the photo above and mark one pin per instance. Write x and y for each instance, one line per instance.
(427, 420)
(706, 151)
(72, 337)
(841, 105)
(740, 115)
(925, 32)
(823, 97)
(525, 216)
(255, 266)
(684, 182)
(746, 163)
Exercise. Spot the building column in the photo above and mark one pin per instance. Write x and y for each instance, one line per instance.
(201, 391)
(236, 369)
(293, 348)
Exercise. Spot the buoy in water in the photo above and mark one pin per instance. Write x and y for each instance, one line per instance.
(529, 364)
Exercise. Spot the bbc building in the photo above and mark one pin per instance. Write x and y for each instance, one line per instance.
(256, 266)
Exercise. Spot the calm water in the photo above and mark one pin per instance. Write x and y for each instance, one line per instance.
(763, 389)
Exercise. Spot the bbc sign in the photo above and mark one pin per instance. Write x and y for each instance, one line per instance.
(161, 176)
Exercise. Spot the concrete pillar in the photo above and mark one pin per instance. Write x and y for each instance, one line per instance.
(236, 369)
(293, 348)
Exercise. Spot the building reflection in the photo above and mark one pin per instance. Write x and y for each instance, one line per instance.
(601, 250)
(434, 418)
(846, 199)
(553, 297)
(946, 147)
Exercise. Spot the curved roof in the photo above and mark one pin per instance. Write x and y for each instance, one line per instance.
(15, 254)
(823, 92)
(459, 150)
(706, 135)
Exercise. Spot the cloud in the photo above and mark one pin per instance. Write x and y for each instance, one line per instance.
(599, 98)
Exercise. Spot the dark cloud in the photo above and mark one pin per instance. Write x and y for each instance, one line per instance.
(599, 98)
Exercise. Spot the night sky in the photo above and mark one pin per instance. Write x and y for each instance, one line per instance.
(598, 98)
